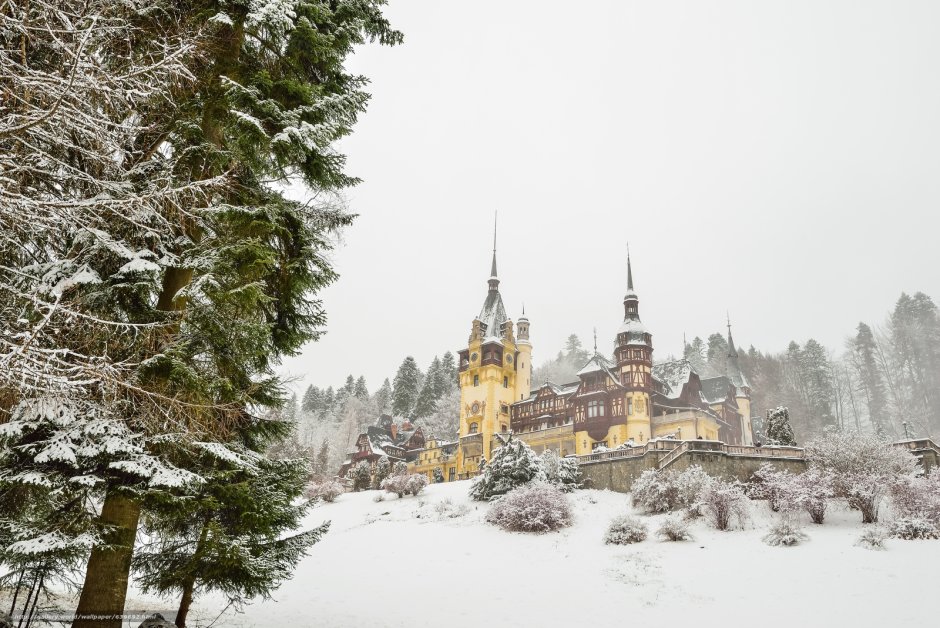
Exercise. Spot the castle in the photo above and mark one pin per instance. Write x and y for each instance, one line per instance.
(622, 401)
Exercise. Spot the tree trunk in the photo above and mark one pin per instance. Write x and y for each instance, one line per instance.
(190, 583)
(108, 572)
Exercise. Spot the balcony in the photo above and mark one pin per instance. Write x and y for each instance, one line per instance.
(472, 445)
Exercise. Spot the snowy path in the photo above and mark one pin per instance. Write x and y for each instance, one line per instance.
(383, 566)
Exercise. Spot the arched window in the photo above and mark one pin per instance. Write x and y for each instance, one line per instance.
(474, 428)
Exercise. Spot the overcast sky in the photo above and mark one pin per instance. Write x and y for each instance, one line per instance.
(778, 160)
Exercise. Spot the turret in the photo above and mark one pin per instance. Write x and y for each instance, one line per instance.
(634, 354)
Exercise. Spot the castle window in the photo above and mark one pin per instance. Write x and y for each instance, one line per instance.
(595, 408)
(630, 406)
(505, 382)
(474, 428)
(504, 428)
(476, 380)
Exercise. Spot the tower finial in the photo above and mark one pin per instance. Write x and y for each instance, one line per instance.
(493, 268)
(595, 340)
(732, 351)
(629, 270)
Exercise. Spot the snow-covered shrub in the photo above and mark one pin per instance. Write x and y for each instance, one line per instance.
(724, 501)
(785, 531)
(777, 427)
(917, 497)
(872, 538)
(862, 466)
(535, 507)
(560, 472)
(445, 509)
(400, 468)
(788, 492)
(512, 465)
(772, 484)
(438, 475)
(654, 492)
(327, 490)
(674, 528)
(403, 485)
(689, 486)
(815, 487)
(657, 492)
(910, 528)
(378, 497)
(416, 483)
(362, 476)
(624, 530)
(383, 468)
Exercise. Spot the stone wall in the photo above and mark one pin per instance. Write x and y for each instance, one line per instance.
(620, 473)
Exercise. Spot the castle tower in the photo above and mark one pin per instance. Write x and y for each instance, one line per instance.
(742, 390)
(633, 352)
(495, 370)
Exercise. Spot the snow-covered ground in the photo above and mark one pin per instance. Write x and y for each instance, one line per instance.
(401, 563)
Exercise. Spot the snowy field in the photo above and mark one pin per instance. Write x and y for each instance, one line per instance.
(405, 563)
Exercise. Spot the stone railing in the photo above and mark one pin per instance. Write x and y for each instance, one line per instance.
(673, 455)
(919, 444)
(631, 452)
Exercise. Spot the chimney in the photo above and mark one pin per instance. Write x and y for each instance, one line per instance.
(407, 425)
(394, 429)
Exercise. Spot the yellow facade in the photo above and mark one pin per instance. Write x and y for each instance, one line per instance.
(436, 455)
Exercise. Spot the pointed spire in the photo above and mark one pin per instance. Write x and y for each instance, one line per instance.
(732, 352)
(493, 269)
(629, 270)
(595, 341)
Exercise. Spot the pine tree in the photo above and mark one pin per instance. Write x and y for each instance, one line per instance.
(312, 400)
(862, 351)
(717, 354)
(816, 372)
(383, 469)
(322, 465)
(777, 427)
(512, 465)
(383, 397)
(694, 352)
(449, 372)
(435, 384)
(407, 385)
(361, 391)
(362, 476)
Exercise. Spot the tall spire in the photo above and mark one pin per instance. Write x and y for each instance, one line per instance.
(494, 281)
(732, 352)
(629, 270)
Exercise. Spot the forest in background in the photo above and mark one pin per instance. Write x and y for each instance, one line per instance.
(882, 377)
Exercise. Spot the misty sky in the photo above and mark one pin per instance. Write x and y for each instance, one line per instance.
(778, 160)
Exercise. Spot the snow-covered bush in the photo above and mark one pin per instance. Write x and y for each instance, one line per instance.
(560, 472)
(777, 427)
(917, 497)
(438, 475)
(657, 492)
(327, 490)
(654, 492)
(403, 485)
(788, 492)
(910, 528)
(872, 538)
(674, 528)
(624, 530)
(362, 476)
(512, 465)
(378, 497)
(415, 483)
(535, 507)
(772, 484)
(400, 468)
(862, 466)
(785, 531)
(722, 501)
(815, 487)
(445, 509)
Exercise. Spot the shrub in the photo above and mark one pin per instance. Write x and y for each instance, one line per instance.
(378, 497)
(788, 493)
(438, 475)
(917, 497)
(654, 492)
(816, 486)
(862, 467)
(910, 528)
(400, 468)
(445, 509)
(327, 490)
(785, 532)
(625, 530)
(415, 483)
(674, 529)
(535, 507)
(512, 465)
(560, 472)
(724, 501)
(873, 538)
(771, 484)
(383, 469)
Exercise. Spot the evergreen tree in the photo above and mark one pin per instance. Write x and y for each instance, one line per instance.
(717, 354)
(361, 391)
(400, 468)
(435, 385)
(407, 385)
(777, 427)
(694, 352)
(235, 533)
(329, 400)
(312, 400)
(862, 351)
(362, 476)
(438, 475)
(449, 371)
(816, 373)
(512, 465)
(321, 466)
(383, 398)
(383, 469)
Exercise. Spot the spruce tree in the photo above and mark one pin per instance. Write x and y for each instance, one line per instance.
(383, 469)
(777, 427)
(361, 391)
(863, 352)
(383, 397)
(449, 371)
(406, 387)
(512, 465)
(362, 476)
(311, 400)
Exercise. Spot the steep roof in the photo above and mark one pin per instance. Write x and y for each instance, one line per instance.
(673, 375)
(493, 314)
(715, 389)
(596, 364)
